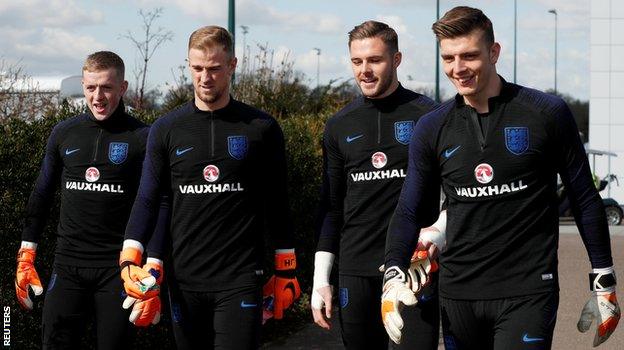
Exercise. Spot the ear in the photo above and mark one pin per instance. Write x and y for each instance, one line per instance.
(495, 53)
(398, 56)
(233, 65)
(124, 87)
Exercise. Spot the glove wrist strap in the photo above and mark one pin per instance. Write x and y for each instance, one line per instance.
(602, 281)
(285, 260)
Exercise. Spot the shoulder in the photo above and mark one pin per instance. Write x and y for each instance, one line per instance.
(438, 114)
(539, 101)
(345, 112)
(419, 100)
(169, 118)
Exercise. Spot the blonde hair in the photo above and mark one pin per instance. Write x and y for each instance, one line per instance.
(103, 60)
(211, 36)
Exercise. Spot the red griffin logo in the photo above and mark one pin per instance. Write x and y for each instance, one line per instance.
(484, 173)
(211, 173)
(379, 160)
(92, 174)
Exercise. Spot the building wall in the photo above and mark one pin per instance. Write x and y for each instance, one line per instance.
(606, 107)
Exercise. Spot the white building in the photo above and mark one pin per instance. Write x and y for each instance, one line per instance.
(606, 106)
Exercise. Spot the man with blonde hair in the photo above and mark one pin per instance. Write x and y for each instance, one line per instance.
(96, 157)
(206, 155)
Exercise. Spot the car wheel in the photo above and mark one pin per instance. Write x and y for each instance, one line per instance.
(614, 215)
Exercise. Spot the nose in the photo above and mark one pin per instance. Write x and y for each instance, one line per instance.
(459, 66)
(365, 68)
(99, 93)
(204, 76)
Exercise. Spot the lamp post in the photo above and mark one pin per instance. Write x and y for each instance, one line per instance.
(554, 12)
(318, 65)
(437, 58)
(515, 40)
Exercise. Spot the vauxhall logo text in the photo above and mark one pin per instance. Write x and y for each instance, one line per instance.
(378, 175)
(487, 191)
(92, 186)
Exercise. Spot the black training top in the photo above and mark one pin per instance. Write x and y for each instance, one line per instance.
(365, 160)
(98, 164)
(226, 173)
(502, 231)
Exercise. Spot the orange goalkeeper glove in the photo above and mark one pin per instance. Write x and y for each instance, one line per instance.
(146, 312)
(27, 276)
(138, 283)
(283, 286)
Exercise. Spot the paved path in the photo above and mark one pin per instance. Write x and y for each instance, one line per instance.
(573, 269)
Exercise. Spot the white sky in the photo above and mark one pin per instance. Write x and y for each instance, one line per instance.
(51, 38)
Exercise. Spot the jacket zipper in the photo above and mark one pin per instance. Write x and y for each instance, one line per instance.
(212, 134)
(378, 127)
(97, 145)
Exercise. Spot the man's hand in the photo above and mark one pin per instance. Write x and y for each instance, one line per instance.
(420, 270)
(397, 291)
(26, 277)
(138, 283)
(322, 291)
(602, 306)
(433, 238)
(283, 285)
(322, 299)
(147, 311)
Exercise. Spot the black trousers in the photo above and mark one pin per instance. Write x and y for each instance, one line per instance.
(229, 319)
(525, 322)
(74, 295)
(360, 316)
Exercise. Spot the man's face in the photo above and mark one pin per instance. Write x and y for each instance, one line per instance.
(103, 90)
(374, 66)
(211, 71)
(469, 62)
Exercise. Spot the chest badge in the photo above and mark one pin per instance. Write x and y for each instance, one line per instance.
(237, 146)
(118, 152)
(379, 160)
(403, 131)
(211, 173)
(92, 174)
(517, 139)
(484, 173)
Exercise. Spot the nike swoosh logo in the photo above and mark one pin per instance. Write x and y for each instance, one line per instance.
(180, 152)
(528, 339)
(68, 151)
(449, 152)
(245, 305)
(353, 138)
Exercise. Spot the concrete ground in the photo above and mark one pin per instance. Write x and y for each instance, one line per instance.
(573, 269)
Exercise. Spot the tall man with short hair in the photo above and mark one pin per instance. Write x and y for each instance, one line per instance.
(496, 149)
(223, 164)
(365, 159)
(96, 157)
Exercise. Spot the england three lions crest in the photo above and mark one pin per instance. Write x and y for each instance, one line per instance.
(403, 131)
(118, 152)
(237, 147)
(517, 139)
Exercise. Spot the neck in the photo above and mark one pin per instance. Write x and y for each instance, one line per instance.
(392, 88)
(210, 107)
(479, 101)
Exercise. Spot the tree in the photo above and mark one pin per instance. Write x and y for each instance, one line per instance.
(146, 46)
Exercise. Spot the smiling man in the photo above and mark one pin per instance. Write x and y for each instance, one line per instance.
(497, 148)
(96, 157)
(208, 155)
(364, 164)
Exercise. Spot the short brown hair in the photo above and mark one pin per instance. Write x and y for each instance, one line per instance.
(463, 20)
(374, 29)
(211, 36)
(103, 60)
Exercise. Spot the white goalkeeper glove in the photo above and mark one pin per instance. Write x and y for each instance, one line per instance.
(601, 306)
